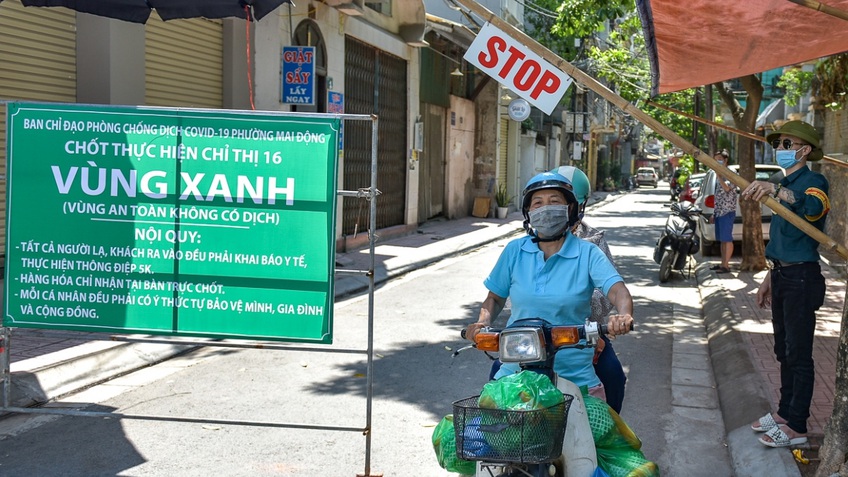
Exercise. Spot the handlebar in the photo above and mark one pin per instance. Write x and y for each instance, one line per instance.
(603, 330)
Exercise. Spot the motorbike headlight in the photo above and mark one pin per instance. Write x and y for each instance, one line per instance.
(522, 345)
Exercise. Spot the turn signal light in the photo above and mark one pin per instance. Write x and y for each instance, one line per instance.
(487, 341)
(565, 335)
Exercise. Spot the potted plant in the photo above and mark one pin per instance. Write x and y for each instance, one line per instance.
(502, 199)
(609, 184)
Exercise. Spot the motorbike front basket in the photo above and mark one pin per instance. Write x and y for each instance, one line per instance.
(503, 435)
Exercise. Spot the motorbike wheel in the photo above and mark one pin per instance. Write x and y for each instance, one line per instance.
(665, 267)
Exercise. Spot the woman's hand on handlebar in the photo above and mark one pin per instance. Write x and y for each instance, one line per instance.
(471, 331)
(619, 325)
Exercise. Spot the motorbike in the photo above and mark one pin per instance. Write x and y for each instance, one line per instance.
(678, 240)
(675, 189)
(554, 441)
(674, 186)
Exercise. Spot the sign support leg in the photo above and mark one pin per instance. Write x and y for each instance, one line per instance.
(5, 360)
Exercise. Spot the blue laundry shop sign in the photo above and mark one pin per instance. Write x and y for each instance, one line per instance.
(173, 222)
(298, 75)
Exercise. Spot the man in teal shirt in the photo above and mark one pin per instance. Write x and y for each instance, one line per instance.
(794, 287)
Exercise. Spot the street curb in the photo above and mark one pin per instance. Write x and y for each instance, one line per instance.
(737, 379)
(38, 380)
(741, 392)
(751, 459)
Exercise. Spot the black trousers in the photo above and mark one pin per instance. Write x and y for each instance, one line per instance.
(797, 291)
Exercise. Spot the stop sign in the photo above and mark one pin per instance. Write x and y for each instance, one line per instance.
(518, 68)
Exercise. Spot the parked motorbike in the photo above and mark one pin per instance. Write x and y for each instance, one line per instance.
(678, 240)
(557, 440)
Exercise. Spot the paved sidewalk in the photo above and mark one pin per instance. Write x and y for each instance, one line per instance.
(746, 372)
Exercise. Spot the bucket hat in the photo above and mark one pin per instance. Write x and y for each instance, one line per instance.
(801, 130)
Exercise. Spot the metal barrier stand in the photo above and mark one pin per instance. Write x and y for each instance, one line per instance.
(370, 194)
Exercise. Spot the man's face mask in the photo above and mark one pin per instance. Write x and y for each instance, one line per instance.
(786, 158)
(549, 220)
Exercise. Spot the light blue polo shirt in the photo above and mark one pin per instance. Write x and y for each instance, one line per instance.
(558, 290)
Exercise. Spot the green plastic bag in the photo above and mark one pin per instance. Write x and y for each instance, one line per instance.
(618, 449)
(523, 391)
(444, 443)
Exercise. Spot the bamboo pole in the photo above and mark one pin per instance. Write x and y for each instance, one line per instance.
(818, 6)
(652, 123)
(707, 122)
(730, 129)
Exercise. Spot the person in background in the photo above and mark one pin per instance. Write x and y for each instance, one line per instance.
(724, 214)
(794, 286)
(552, 274)
(607, 366)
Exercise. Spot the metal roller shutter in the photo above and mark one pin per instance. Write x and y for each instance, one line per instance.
(375, 82)
(184, 63)
(37, 63)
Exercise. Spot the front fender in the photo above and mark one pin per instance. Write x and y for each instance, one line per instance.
(662, 244)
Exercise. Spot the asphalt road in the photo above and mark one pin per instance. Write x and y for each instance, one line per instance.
(417, 323)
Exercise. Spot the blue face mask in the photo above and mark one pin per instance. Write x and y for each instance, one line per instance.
(786, 158)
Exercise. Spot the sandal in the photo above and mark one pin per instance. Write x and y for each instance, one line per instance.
(765, 423)
(781, 439)
(723, 270)
(715, 267)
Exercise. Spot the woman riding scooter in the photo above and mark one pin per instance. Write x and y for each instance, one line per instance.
(607, 366)
(552, 274)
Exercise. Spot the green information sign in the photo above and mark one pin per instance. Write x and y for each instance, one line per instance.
(175, 222)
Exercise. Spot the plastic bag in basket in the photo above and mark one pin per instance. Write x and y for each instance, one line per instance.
(444, 443)
(508, 432)
(522, 391)
(618, 448)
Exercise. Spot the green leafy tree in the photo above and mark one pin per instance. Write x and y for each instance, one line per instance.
(623, 62)
(795, 83)
(831, 81)
(564, 26)
(745, 119)
(583, 18)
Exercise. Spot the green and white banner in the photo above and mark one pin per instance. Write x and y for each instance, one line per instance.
(176, 222)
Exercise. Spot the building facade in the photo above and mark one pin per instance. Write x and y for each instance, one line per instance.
(366, 57)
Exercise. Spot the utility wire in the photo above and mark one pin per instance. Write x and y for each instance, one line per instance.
(539, 10)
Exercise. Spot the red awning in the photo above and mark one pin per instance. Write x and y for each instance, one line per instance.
(698, 42)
